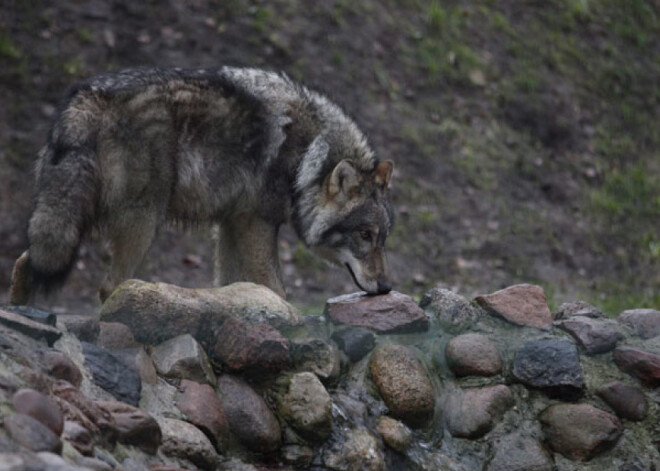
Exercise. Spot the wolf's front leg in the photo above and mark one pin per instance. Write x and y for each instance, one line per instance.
(21, 287)
(246, 250)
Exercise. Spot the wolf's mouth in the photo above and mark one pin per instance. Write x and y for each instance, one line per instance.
(350, 270)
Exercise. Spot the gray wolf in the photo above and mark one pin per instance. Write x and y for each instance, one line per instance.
(245, 149)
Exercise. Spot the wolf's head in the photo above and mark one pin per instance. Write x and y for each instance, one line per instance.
(353, 219)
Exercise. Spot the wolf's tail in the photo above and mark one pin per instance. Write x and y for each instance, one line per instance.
(64, 208)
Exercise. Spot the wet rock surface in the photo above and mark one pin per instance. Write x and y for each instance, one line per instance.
(594, 335)
(473, 393)
(519, 304)
(392, 313)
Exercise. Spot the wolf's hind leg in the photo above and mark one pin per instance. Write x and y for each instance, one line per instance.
(246, 250)
(21, 287)
(130, 238)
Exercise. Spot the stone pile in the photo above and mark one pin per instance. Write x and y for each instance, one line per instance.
(234, 378)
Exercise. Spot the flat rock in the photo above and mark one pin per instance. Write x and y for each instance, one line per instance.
(392, 313)
(242, 346)
(580, 431)
(40, 407)
(644, 322)
(578, 308)
(156, 312)
(60, 366)
(404, 384)
(115, 336)
(552, 365)
(454, 312)
(641, 364)
(316, 356)
(517, 452)
(595, 335)
(473, 354)
(32, 434)
(183, 357)
(112, 374)
(202, 407)
(627, 401)
(135, 426)
(524, 305)
(471, 413)
(85, 328)
(36, 315)
(184, 440)
(250, 419)
(395, 434)
(355, 342)
(26, 326)
(307, 406)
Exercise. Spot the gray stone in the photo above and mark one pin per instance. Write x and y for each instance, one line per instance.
(183, 357)
(135, 426)
(580, 431)
(85, 328)
(395, 434)
(32, 434)
(594, 335)
(140, 360)
(473, 354)
(359, 450)
(40, 407)
(184, 440)
(112, 374)
(454, 312)
(578, 308)
(644, 322)
(524, 305)
(33, 314)
(36, 330)
(250, 419)
(472, 413)
(552, 365)
(392, 313)
(307, 406)
(316, 356)
(355, 342)
(517, 452)
(115, 336)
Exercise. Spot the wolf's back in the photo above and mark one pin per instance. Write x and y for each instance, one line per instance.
(66, 195)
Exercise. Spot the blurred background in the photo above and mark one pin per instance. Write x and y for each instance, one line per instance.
(525, 132)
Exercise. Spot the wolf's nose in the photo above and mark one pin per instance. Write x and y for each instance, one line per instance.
(384, 287)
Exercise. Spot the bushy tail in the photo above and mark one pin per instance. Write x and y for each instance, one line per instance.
(64, 207)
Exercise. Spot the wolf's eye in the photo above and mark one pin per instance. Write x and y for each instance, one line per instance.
(365, 235)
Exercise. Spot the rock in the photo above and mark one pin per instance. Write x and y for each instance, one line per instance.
(359, 451)
(184, 440)
(250, 419)
(140, 360)
(316, 356)
(394, 433)
(86, 328)
(355, 342)
(79, 437)
(112, 374)
(517, 452)
(32, 434)
(40, 407)
(254, 347)
(552, 365)
(78, 408)
(641, 364)
(392, 313)
(594, 335)
(627, 401)
(307, 407)
(644, 322)
(28, 327)
(297, 455)
(53, 462)
(403, 383)
(135, 426)
(202, 407)
(524, 305)
(115, 336)
(94, 464)
(579, 431)
(33, 314)
(183, 357)
(578, 308)
(156, 312)
(452, 310)
(473, 354)
(471, 413)
(60, 366)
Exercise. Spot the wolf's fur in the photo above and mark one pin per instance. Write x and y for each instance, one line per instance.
(243, 148)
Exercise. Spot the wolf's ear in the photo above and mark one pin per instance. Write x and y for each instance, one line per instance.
(344, 179)
(384, 173)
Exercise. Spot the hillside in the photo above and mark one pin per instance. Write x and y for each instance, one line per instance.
(524, 134)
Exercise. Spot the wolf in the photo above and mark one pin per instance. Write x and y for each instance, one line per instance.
(244, 149)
